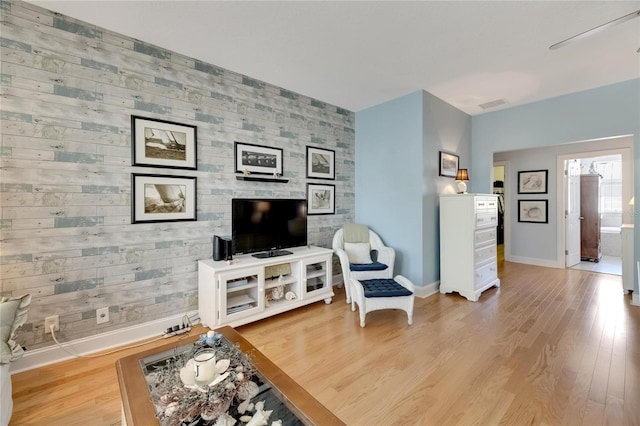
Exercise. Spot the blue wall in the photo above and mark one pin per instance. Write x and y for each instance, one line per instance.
(389, 178)
(397, 176)
(607, 111)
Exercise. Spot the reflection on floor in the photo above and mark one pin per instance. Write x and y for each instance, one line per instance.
(607, 265)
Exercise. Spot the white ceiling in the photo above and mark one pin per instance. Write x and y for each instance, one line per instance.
(361, 53)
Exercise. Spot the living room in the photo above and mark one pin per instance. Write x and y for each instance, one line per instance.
(69, 91)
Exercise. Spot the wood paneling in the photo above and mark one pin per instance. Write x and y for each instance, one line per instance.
(550, 346)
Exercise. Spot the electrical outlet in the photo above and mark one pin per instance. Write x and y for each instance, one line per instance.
(102, 315)
(52, 320)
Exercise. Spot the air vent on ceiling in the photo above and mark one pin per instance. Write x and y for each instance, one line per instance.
(493, 104)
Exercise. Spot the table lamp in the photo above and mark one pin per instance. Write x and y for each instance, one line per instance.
(462, 176)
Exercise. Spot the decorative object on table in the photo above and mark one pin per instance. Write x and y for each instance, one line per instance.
(162, 198)
(321, 163)
(321, 199)
(448, 164)
(462, 176)
(290, 295)
(534, 211)
(532, 182)
(277, 292)
(257, 159)
(160, 143)
(224, 394)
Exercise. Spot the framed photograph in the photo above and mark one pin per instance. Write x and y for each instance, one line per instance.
(256, 159)
(160, 198)
(532, 182)
(321, 199)
(448, 164)
(535, 211)
(159, 143)
(321, 163)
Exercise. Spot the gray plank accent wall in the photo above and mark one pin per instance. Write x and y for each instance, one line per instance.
(69, 89)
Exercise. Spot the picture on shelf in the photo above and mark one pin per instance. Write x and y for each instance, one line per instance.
(321, 199)
(321, 163)
(160, 143)
(159, 198)
(258, 159)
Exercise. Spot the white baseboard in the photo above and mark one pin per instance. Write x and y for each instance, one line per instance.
(533, 261)
(427, 290)
(635, 299)
(99, 342)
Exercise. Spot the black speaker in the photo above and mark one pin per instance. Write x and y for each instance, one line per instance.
(228, 249)
(222, 249)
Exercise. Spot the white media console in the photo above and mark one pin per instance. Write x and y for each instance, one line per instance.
(248, 289)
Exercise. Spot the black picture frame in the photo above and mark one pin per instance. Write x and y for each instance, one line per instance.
(321, 163)
(161, 143)
(257, 159)
(533, 211)
(321, 199)
(163, 198)
(533, 181)
(449, 164)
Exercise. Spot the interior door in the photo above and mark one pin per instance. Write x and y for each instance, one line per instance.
(572, 213)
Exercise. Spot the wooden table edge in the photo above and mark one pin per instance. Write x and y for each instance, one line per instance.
(138, 408)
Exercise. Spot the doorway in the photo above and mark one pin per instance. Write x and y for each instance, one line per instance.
(601, 187)
(499, 182)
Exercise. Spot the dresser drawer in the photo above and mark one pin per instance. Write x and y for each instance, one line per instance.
(484, 274)
(486, 203)
(484, 220)
(485, 236)
(482, 255)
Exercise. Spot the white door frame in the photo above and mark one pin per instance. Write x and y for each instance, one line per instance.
(627, 191)
(507, 212)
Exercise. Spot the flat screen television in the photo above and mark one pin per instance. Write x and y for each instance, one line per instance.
(268, 225)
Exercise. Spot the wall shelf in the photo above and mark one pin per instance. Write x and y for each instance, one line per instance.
(262, 179)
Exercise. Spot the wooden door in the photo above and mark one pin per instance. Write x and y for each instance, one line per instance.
(590, 217)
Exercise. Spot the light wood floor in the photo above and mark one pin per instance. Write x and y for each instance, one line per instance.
(555, 347)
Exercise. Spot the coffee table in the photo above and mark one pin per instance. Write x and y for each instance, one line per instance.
(138, 408)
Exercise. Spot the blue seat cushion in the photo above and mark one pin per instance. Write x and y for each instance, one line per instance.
(375, 266)
(383, 287)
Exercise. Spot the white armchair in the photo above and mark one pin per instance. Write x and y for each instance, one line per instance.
(13, 313)
(380, 266)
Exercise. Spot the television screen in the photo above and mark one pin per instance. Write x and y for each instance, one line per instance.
(267, 224)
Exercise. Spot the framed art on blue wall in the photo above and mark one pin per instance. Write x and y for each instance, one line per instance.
(534, 211)
(448, 164)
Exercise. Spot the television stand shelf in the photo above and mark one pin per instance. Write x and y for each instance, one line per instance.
(238, 292)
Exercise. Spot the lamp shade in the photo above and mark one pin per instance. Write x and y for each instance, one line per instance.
(462, 175)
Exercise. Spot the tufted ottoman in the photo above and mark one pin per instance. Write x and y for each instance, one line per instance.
(382, 293)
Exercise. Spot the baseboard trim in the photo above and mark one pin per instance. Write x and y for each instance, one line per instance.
(427, 290)
(635, 299)
(533, 261)
(100, 342)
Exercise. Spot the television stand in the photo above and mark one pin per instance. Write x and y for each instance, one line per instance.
(244, 290)
(271, 253)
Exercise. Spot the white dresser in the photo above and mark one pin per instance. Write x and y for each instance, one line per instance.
(468, 258)
(627, 257)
